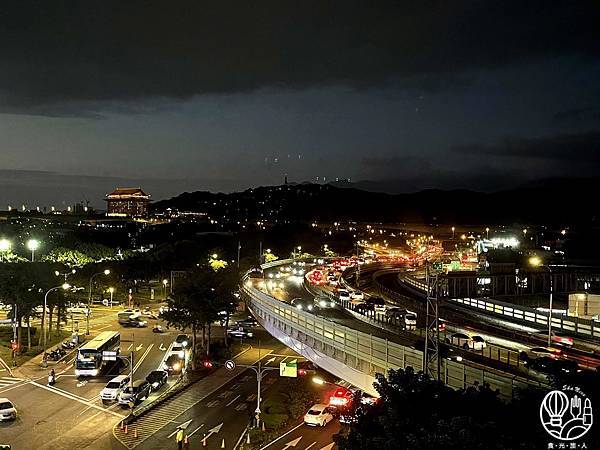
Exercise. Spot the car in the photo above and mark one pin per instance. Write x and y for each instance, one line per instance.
(560, 339)
(247, 322)
(467, 342)
(318, 415)
(356, 296)
(136, 392)
(534, 353)
(80, 309)
(7, 410)
(322, 301)
(303, 304)
(183, 340)
(343, 295)
(552, 366)
(377, 302)
(364, 307)
(113, 388)
(239, 333)
(178, 349)
(157, 379)
(134, 322)
(174, 363)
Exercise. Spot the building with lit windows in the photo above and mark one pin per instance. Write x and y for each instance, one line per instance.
(127, 202)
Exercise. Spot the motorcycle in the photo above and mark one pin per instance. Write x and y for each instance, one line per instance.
(68, 345)
(51, 380)
(157, 329)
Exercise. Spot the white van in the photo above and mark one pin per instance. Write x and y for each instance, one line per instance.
(113, 388)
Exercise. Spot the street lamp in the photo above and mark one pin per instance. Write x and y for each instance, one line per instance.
(112, 291)
(165, 282)
(487, 233)
(33, 245)
(453, 230)
(64, 287)
(536, 261)
(87, 319)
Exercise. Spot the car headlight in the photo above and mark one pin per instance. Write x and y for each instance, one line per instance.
(181, 354)
(298, 306)
(333, 304)
(176, 366)
(323, 303)
(155, 384)
(95, 372)
(250, 334)
(184, 343)
(165, 367)
(310, 307)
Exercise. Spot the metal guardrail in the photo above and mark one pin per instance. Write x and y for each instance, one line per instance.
(524, 314)
(379, 319)
(364, 352)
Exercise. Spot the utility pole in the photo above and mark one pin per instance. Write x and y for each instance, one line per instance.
(239, 248)
(431, 356)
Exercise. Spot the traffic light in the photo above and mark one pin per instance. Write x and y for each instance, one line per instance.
(208, 364)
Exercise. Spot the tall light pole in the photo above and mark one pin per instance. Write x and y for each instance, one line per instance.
(453, 230)
(536, 261)
(112, 291)
(165, 282)
(33, 245)
(63, 286)
(487, 233)
(87, 318)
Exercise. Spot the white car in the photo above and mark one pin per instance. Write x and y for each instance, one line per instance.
(343, 294)
(84, 310)
(467, 342)
(113, 388)
(7, 410)
(318, 415)
(357, 296)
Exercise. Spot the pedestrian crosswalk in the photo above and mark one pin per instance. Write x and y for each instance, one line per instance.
(9, 381)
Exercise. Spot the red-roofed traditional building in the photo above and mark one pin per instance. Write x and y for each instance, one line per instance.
(127, 202)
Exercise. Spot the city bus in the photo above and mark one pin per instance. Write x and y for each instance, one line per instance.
(89, 361)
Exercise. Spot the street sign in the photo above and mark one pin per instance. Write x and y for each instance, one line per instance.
(454, 265)
(288, 369)
(437, 265)
(109, 355)
(229, 364)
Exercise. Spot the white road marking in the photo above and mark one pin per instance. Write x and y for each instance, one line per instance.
(192, 433)
(129, 348)
(310, 445)
(283, 435)
(72, 397)
(232, 401)
(139, 347)
(183, 425)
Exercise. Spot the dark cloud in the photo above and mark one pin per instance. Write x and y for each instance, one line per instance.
(52, 52)
(577, 148)
(577, 114)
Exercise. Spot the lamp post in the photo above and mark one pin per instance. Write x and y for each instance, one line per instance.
(33, 245)
(453, 230)
(536, 261)
(64, 287)
(87, 318)
(112, 291)
(487, 233)
(165, 282)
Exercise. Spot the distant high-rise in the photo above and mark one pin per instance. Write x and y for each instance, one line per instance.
(127, 202)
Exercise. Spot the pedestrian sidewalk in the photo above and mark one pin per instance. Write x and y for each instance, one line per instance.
(164, 413)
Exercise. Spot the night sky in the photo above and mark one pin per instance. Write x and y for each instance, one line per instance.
(226, 95)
